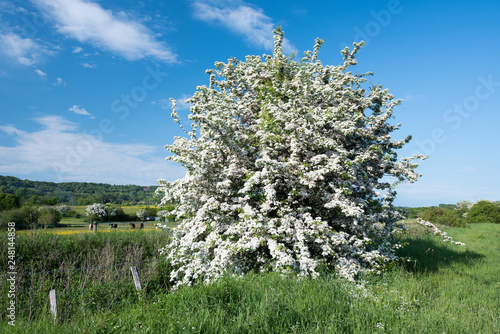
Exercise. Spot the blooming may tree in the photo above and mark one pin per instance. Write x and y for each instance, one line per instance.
(96, 211)
(142, 214)
(288, 166)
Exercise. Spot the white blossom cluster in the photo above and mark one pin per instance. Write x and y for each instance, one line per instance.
(437, 231)
(288, 167)
(163, 213)
(96, 210)
(142, 214)
(63, 209)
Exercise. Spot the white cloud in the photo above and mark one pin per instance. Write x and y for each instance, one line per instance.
(25, 51)
(87, 65)
(11, 8)
(40, 73)
(59, 151)
(59, 82)
(80, 111)
(88, 22)
(242, 19)
(414, 98)
(11, 130)
(181, 102)
(77, 49)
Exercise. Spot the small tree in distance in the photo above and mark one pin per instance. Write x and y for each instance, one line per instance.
(96, 211)
(288, 167)
(142, 215)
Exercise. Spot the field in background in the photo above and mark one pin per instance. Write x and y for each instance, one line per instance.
(443, 289)
(127, 208)
(71, 225)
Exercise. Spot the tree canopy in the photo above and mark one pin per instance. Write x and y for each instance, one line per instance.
(289, 166)
(74, 193)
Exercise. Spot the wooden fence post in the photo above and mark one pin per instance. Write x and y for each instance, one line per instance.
(53, 303)
(136, 278)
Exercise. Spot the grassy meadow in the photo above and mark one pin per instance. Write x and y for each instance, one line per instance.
(443, 289)
(72, 225)
(81, 209)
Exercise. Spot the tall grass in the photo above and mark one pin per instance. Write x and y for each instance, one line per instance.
(88, 271)
(444, 289)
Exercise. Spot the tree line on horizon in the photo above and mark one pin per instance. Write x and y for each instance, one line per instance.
(74, 193)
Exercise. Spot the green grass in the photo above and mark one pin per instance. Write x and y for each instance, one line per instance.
(75, 225)
(70, 225)
(444, 289)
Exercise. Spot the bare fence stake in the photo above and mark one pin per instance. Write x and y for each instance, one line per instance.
(136, 278)
(53, 303)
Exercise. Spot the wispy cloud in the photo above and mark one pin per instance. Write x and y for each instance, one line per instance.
(25, 51)
(11, 8)
(80, 111)
(239, 17)
(88, 22)
(41, 73)
(77, 49)
(87, 65)
(414, 98)
(60, 151)
(59, 82)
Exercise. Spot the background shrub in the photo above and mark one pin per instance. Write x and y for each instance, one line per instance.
(449, 217)
(484, 212)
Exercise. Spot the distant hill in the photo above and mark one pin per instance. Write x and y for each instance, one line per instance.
(75, 193)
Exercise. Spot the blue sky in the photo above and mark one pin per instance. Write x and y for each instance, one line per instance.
(84, 85)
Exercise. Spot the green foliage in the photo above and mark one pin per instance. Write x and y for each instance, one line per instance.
(447, 290)
(8, 202)
(73, 213)
(163, 213)
(146, 213)
(13, 215)
(447, 206)
(484, 212)
(49, 216)
(90, 272)
(440, 215)
(81, 193)
(152, 211)
(413, 213)
(116, 214)
(27, 216)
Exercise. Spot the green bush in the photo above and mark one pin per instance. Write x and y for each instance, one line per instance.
(8, 202)
(167, 217)
(449, 217)
(12, 215)
(412, 213)
(49, 215)
(484, 212)
(23, 217)
(73, 213)
(152, 211)
(116, 214)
